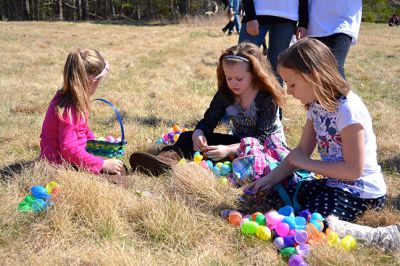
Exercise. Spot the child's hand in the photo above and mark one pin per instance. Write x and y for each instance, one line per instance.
(113, 166)
(199, 140)
(258, 186)
(217, 152)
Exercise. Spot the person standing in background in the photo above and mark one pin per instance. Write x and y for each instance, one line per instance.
(281, 19)
(336, 24)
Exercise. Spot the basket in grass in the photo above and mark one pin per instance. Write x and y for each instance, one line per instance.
(106, 147)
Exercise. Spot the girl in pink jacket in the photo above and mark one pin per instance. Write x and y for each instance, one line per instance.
(65, 130)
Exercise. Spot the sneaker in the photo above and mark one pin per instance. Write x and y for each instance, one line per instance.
(387, 238)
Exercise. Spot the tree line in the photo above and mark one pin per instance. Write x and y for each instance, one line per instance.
(146, 10)
(136, 10)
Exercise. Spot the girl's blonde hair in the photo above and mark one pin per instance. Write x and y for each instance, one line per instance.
(258, 66)
(79, 68)
(315, 62)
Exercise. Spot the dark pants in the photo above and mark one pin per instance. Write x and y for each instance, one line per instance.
(316, 196)
(339, 44)
(185, 142)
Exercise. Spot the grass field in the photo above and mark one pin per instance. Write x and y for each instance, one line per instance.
(160, 75)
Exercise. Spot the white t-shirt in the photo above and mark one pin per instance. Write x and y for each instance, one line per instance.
(328, 125)
(327, 17)
(282, 8)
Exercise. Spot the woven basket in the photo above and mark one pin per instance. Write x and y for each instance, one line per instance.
(108, 149)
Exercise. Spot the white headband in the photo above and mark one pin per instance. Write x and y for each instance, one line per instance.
(104, 72)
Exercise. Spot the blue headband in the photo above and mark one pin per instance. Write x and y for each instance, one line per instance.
(237, 57)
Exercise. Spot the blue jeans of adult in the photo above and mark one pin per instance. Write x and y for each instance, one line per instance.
(339, 43)
(280, 35)
(236, 23)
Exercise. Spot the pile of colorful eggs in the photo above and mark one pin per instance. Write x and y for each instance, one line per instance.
(219, 169)
(292, 235)
(109, 139)
(172, 136)
(40, 199)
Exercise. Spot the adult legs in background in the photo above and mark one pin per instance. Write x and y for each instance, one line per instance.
(339, 44)
(280, 35)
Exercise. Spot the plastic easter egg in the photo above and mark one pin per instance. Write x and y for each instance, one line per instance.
(273, 217)
(288, 251)
(303, 249)
(306, 214)
(225, 169)
(260, 219)
(118, 140)
(224, 180)
(29, 199)
(244, 219)
(289, 241)
(198, 158)
(254, 215)
(333, 240)
(196, 153)
(348, 243)
(279, 242)
(318, 224)
(301, 237)
(38, 205)
(316, 216)
(50, 186)
(301, 222)
(159, 141)
(292, 232)
(296, 260)
(290, 221)
(101, 139)
(249, 228)
(165, 137)
(215, 170)
(23, 206)
(282, 229)
(209, 164)
(219, 165)
(286, 211)
(171, 135)
(176, 137)
(204, 164)
(109, 138)
(40, 192)
(263, 233)
(176, 128)
(185, 129)
(235, 218)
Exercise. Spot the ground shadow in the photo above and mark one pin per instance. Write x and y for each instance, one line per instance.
(392, 164)
(9, 171)
(394, 201)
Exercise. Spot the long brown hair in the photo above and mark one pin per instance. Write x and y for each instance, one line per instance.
(258, 66)
(80, 66)
(314, 61)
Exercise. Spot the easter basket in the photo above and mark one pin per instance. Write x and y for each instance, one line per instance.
(106, 148)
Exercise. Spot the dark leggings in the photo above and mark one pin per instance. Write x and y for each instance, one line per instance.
(339, 44)
(316, 196)
(185, 142)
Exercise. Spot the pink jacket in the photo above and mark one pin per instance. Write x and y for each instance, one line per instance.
(65, 139)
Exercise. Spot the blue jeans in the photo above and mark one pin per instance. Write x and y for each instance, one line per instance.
(236, 23)
(339, 44)
(280, 35)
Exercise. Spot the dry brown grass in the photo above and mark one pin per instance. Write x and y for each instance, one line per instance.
(159, 75)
